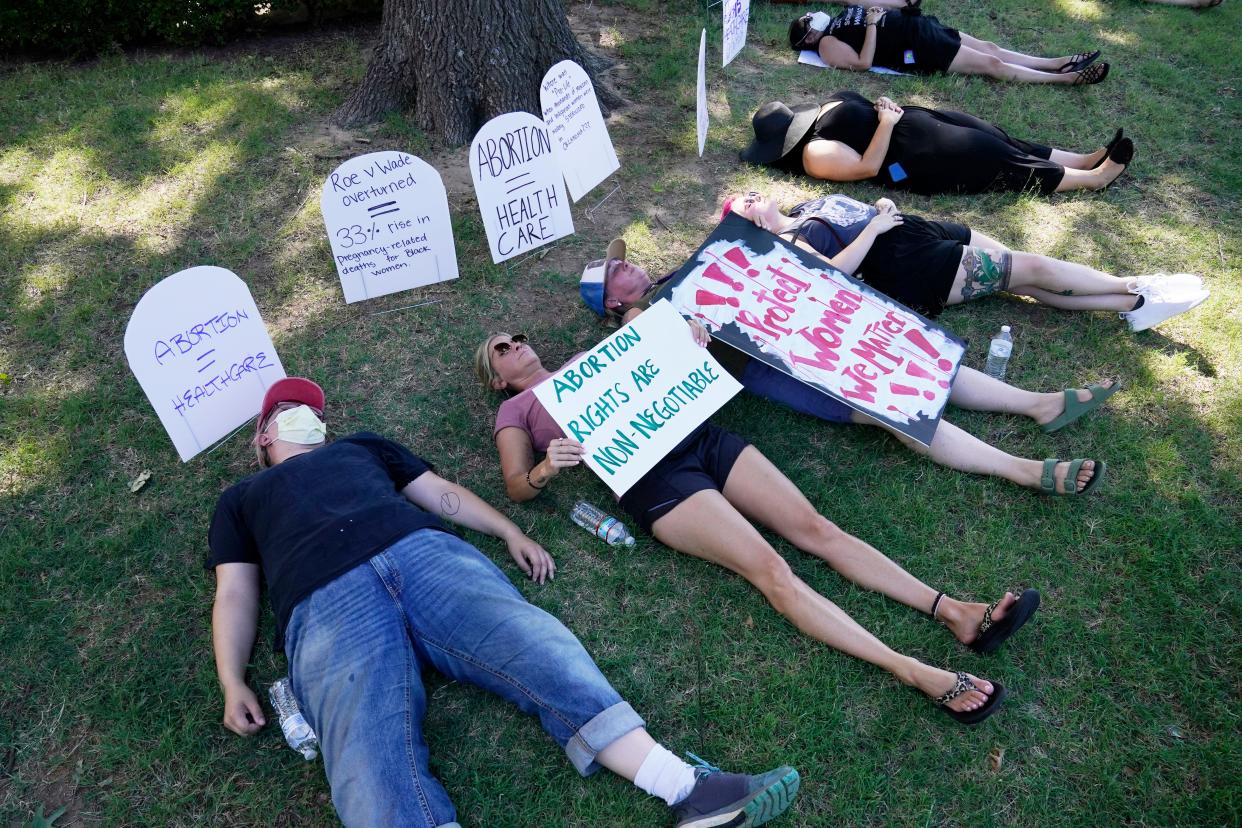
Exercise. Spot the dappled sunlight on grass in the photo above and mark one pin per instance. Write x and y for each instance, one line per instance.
(1081, 9)
(1117, 38)
(28, 461)
(162, 214)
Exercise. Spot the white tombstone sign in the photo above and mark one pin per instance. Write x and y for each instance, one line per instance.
(635, 395)
(519, 186)
(387, 217)
(580, 139)
(198, 347)
(702, 93)
(736, 22)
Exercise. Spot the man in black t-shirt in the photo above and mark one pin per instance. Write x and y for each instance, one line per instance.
(369, 586)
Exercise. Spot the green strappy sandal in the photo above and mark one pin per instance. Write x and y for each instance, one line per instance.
(1075, 408)
(1048, 480)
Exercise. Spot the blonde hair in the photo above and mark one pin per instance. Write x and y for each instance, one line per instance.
(483, 364)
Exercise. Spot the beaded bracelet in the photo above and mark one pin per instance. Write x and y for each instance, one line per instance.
(531, 483)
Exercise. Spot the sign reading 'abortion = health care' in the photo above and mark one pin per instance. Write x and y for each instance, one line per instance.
(736, 22)
(388, 221)
(200, 351)
(791, 309)
(636, 395)
(580, 139)
(519, 186)
(701, 96)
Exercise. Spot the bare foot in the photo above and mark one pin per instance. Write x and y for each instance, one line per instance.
(963, 619)
(1107, 173)
(1053, 404)
(1085, 473)
(938, 682)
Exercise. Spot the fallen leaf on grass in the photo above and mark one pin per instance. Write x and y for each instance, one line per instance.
(996, 758)
(140, 481)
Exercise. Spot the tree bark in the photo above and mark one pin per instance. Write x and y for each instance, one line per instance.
(455, 64)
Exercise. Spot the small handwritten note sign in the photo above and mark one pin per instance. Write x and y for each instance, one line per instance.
(636, 395)
(519, 186)
(580, 139)
(388, 221)
(701, 110)
(789, 308)
(736, 21)
(198, 347)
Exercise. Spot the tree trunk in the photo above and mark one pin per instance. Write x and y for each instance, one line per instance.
(458, 63)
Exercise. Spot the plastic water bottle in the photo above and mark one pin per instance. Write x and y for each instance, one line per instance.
(998, 354)
(600, 524)
(297, 732)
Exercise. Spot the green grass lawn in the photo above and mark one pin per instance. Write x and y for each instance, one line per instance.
(1124, 702)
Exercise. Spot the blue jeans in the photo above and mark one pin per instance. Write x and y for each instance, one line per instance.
(357, 647)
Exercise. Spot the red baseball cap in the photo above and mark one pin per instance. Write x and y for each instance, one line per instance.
(291, 389)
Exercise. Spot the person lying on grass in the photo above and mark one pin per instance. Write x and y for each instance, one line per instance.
(927, 265)
(927, 151)
(905, 40)
(701, 499)
(619, 289)
(370, 588)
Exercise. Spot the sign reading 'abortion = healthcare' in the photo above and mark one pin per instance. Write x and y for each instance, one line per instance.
(198, 347)
(519, 186)
(636, 395)
(791, 309)
(736, 22)
(388, 221)
(580, 139)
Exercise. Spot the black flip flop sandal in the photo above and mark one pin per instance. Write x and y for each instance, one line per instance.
(994, 633)
(1079, 62)
(971, 717)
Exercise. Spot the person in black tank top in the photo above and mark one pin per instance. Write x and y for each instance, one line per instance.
(907, 41)
(927, 151)
(927, 265)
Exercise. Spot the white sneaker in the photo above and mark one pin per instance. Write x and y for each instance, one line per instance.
(1156, 308)
(1167, 285)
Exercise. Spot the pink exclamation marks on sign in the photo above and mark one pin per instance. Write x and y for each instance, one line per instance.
(707, 323)
(905, 414)
(704, 298)
(916, 370)
(714, 272)
(738, 258)
(905, 390)
(916, 336)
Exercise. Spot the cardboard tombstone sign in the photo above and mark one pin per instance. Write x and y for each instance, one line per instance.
(519, 186)
(701, 96)
(736, 15)
(789, 308)
(200, 351)
(388, 221)
(633, 397)
(580, 139)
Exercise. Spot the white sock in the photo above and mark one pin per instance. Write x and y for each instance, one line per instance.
(662, 774)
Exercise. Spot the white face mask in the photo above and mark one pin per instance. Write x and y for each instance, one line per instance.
(300, 425)
(820, 21)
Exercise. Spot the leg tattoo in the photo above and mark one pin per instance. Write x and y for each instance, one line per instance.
(986, 272)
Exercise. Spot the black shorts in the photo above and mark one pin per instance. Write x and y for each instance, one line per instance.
(701, 461)
(916, 262)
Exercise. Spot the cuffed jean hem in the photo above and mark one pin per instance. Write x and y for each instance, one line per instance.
(450, 825)
(605, 728)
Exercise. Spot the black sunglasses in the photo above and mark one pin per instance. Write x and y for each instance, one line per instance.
(502, 348)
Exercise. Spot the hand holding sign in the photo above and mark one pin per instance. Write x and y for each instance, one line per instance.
(388, 222)
(200, 351)
(520, 189)
(636, 395)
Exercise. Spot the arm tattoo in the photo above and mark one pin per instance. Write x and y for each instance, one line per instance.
(450, 504)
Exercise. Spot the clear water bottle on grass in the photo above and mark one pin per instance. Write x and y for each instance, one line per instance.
(600, 524)
(298, 732)
(998, 354)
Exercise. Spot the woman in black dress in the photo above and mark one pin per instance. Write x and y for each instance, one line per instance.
(906, 41)
(926, 151)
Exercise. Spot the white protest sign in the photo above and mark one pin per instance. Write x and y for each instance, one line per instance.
(702, 92)
(636, 395)
(736, 22)
(580, 139)
(388, 221)
(198, 347)
(519, 186)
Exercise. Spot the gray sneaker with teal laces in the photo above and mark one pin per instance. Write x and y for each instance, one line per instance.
(735, 800)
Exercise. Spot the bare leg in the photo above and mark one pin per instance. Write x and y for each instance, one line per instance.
(625, 755)
(971, 62)
(708, 526)
(1101, 302)
(1016, 58)
(1096, 179)
(1077, 160)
